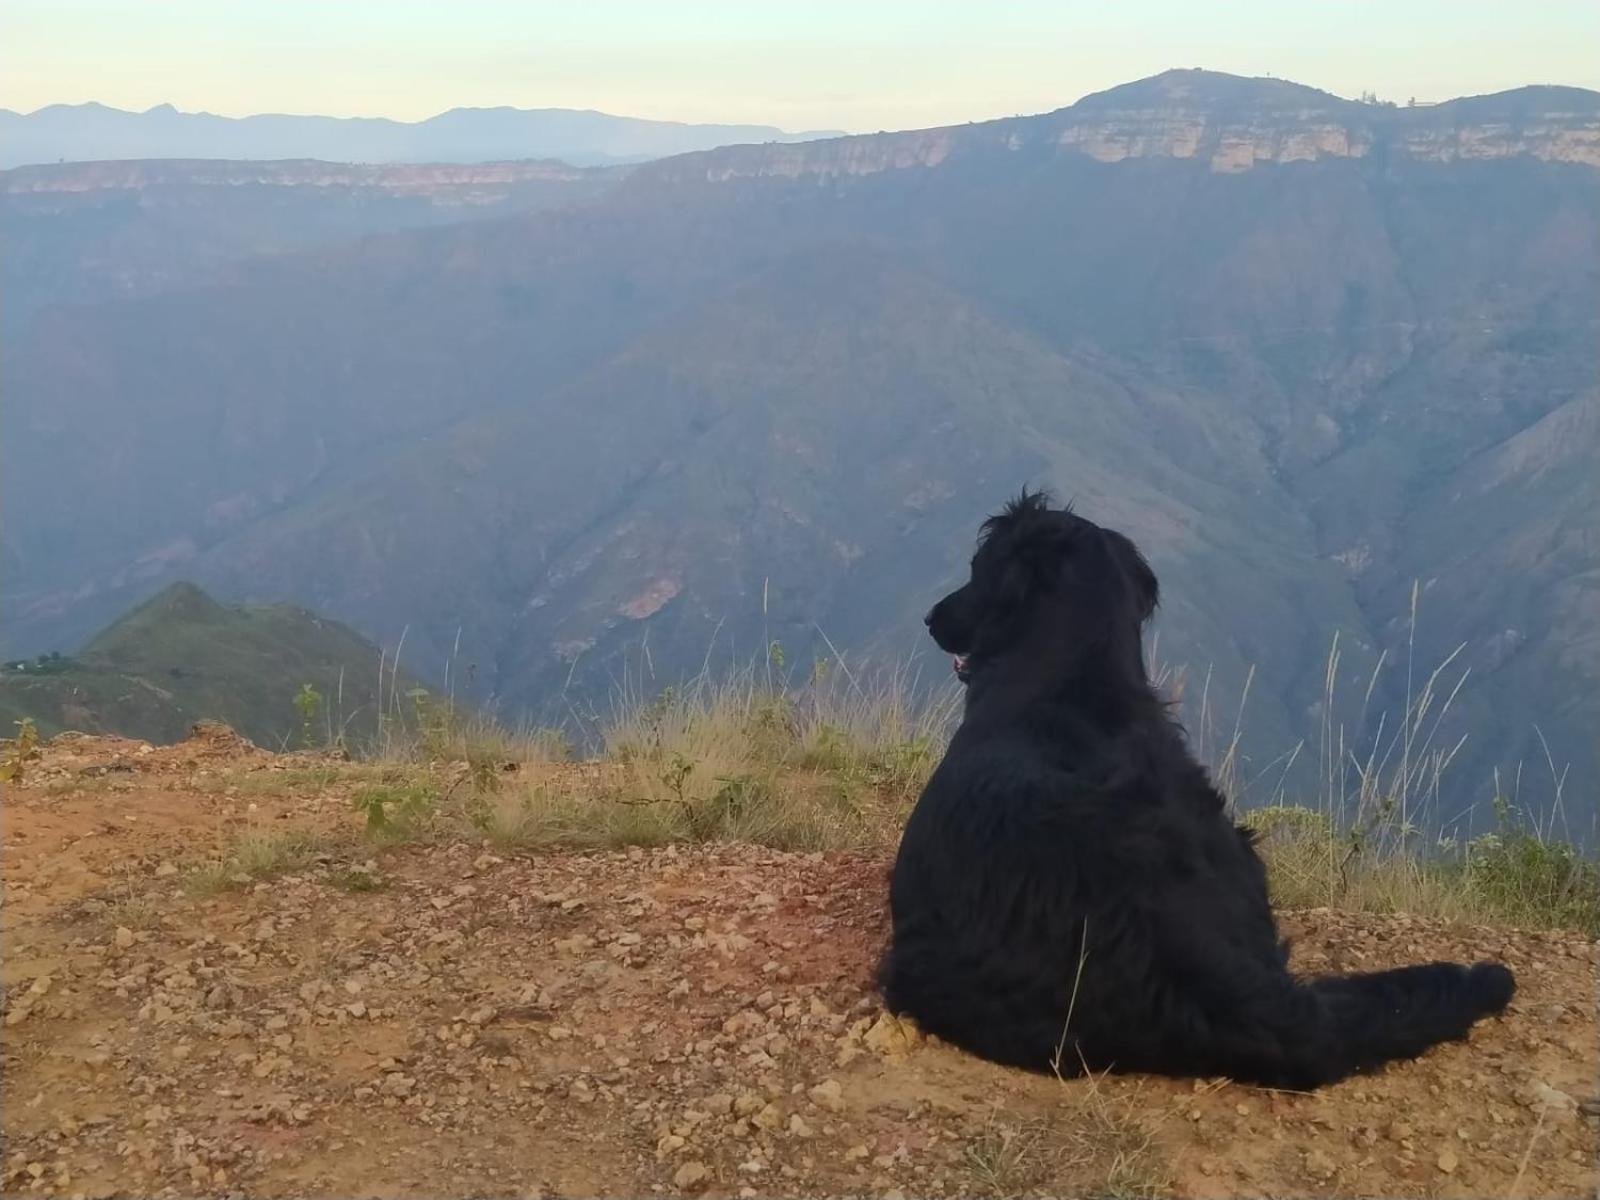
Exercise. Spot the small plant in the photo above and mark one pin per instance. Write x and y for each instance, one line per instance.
(359, 880)
(308, 703)
(19, 752)
(1005, 1160)
(435, 722)
(395, 810)
(720, 813)
(676, 775)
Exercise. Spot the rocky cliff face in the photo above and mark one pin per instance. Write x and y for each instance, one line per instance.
(439, 181)
(1229, 123)
(91, 231)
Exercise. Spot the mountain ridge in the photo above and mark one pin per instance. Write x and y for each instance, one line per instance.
(1234, 124)
(585, 137)
(181, 656)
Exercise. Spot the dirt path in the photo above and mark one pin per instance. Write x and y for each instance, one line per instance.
(465, 1022)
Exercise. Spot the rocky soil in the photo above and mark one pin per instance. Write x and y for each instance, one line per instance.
(448, 1019)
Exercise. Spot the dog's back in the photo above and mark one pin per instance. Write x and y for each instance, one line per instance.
(1024, 897)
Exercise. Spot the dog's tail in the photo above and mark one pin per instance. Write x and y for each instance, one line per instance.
(1311, 1033)
(1386, 1015)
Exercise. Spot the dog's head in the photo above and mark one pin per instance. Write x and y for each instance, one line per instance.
(1044, 577)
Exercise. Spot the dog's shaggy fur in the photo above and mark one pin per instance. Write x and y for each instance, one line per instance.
(1069, 893)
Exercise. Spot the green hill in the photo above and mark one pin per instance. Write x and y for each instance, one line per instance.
(181, 657)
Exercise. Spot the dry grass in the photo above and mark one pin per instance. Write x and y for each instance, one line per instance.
(1514, 877)
(438, 731)
(1100, 1143)
(801, 812)
(315, 777)
(838, 759)
(256, 854)
(1008, 1159)
(133, 909)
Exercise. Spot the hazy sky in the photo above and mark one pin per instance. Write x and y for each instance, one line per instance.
(800, 64)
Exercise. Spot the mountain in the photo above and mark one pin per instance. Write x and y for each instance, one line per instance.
(181, 657)
(89, 232)
(89, 132)
(1308, 352)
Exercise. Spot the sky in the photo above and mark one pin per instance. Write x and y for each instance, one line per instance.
(856, 65)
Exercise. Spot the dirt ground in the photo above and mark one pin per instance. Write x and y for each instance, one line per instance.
(446, 1019)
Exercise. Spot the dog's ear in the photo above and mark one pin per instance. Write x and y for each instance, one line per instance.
(1141, 579)
(1034, 564)
(1022, 572)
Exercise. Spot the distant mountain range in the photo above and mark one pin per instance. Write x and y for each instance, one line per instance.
(1308, 352)
(91, 132)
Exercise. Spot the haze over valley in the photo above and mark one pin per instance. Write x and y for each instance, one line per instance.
(605, 422)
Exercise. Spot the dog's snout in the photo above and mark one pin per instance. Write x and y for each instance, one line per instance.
(927, 617)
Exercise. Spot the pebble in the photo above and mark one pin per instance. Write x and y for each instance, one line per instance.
(829, 1094)
(691, 1177)
(1319, 1165)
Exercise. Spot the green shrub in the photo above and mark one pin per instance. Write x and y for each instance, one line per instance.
(1530, 881)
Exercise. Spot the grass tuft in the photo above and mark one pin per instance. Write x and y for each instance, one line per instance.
(254, 855)
(1512, 877)
(1007, 1160)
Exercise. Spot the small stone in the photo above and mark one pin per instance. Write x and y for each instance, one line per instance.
(828, 1094)
(1447, 1161)
(124, 937)
(691, 1177)
(1320, 1166)
(1544, 1096)
(1398, 1131)
(747, 1104)
(798, 1126)
(891, 1035)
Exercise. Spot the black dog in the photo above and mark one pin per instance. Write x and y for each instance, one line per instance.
(1069, 893)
